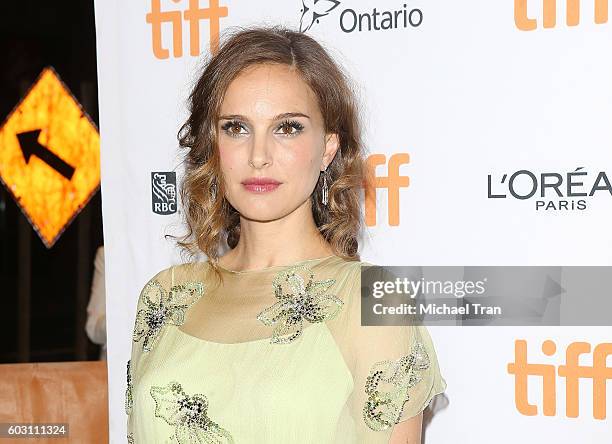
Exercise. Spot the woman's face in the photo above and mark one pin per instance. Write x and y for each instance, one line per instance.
(271, 127)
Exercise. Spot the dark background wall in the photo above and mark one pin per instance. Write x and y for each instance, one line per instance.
(35, 34)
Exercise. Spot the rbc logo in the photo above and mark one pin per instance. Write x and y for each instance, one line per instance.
(163, 188)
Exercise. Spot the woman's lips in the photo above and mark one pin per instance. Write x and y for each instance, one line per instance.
(260, 184)
(260, 187)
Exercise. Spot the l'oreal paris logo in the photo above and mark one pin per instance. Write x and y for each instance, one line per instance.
(551, 191)
(351, 20)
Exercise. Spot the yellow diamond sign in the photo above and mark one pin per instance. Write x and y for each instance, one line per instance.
(50, 156)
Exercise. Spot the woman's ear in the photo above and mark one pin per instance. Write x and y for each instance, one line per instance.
(332, 143)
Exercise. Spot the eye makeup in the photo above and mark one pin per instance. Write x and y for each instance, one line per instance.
(297, 126)
(229, 125)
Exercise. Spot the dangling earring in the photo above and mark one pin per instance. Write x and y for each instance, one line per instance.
(325, 190)
(213, 190)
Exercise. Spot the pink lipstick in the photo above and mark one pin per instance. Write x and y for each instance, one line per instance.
(260, 184)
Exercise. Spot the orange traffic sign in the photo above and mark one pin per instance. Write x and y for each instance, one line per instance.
(50, 156)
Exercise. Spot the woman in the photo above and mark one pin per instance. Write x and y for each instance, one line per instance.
(264, 343)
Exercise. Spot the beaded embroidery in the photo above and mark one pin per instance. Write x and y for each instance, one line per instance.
(297, 301)
(383, 408)
(163, 308)
(128, 391)
(130, 439)
(189, 416)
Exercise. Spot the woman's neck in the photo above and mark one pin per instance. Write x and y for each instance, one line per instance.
(279, 242)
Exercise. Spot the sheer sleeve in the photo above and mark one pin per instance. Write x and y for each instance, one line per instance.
(395, 372)
(142, 337)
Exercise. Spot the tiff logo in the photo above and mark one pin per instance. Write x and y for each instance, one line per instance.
(392, 182)
(598, 373)
(572, 7)
(193, 15)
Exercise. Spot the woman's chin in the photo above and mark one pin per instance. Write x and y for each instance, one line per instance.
(260, 213)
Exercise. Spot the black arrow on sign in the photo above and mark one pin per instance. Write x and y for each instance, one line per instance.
(30, 146)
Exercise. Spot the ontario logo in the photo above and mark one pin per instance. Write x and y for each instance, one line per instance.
(551, 191)
(351, 20)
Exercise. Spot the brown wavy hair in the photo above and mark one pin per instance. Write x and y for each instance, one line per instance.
(211, 220)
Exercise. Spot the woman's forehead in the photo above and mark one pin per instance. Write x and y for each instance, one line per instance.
(267, 90)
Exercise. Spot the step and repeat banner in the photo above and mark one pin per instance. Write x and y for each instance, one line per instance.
(489, 126)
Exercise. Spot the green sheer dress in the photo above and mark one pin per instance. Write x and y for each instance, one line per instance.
(276, 355)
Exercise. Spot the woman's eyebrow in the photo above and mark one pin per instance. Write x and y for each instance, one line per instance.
(277, 117)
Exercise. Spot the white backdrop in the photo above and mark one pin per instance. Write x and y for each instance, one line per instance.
(467, 95)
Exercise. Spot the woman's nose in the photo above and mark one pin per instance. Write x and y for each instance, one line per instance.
(259, 155)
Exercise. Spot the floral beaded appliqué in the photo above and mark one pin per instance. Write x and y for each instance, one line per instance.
(128, 391)
(385, 405)
(162, 308)
(189, 416)
(298, 299)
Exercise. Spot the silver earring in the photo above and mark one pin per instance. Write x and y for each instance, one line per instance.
(213, 190)
(325, 190)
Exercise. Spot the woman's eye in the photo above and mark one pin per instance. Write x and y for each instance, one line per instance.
(233, 128)
(290, 128)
